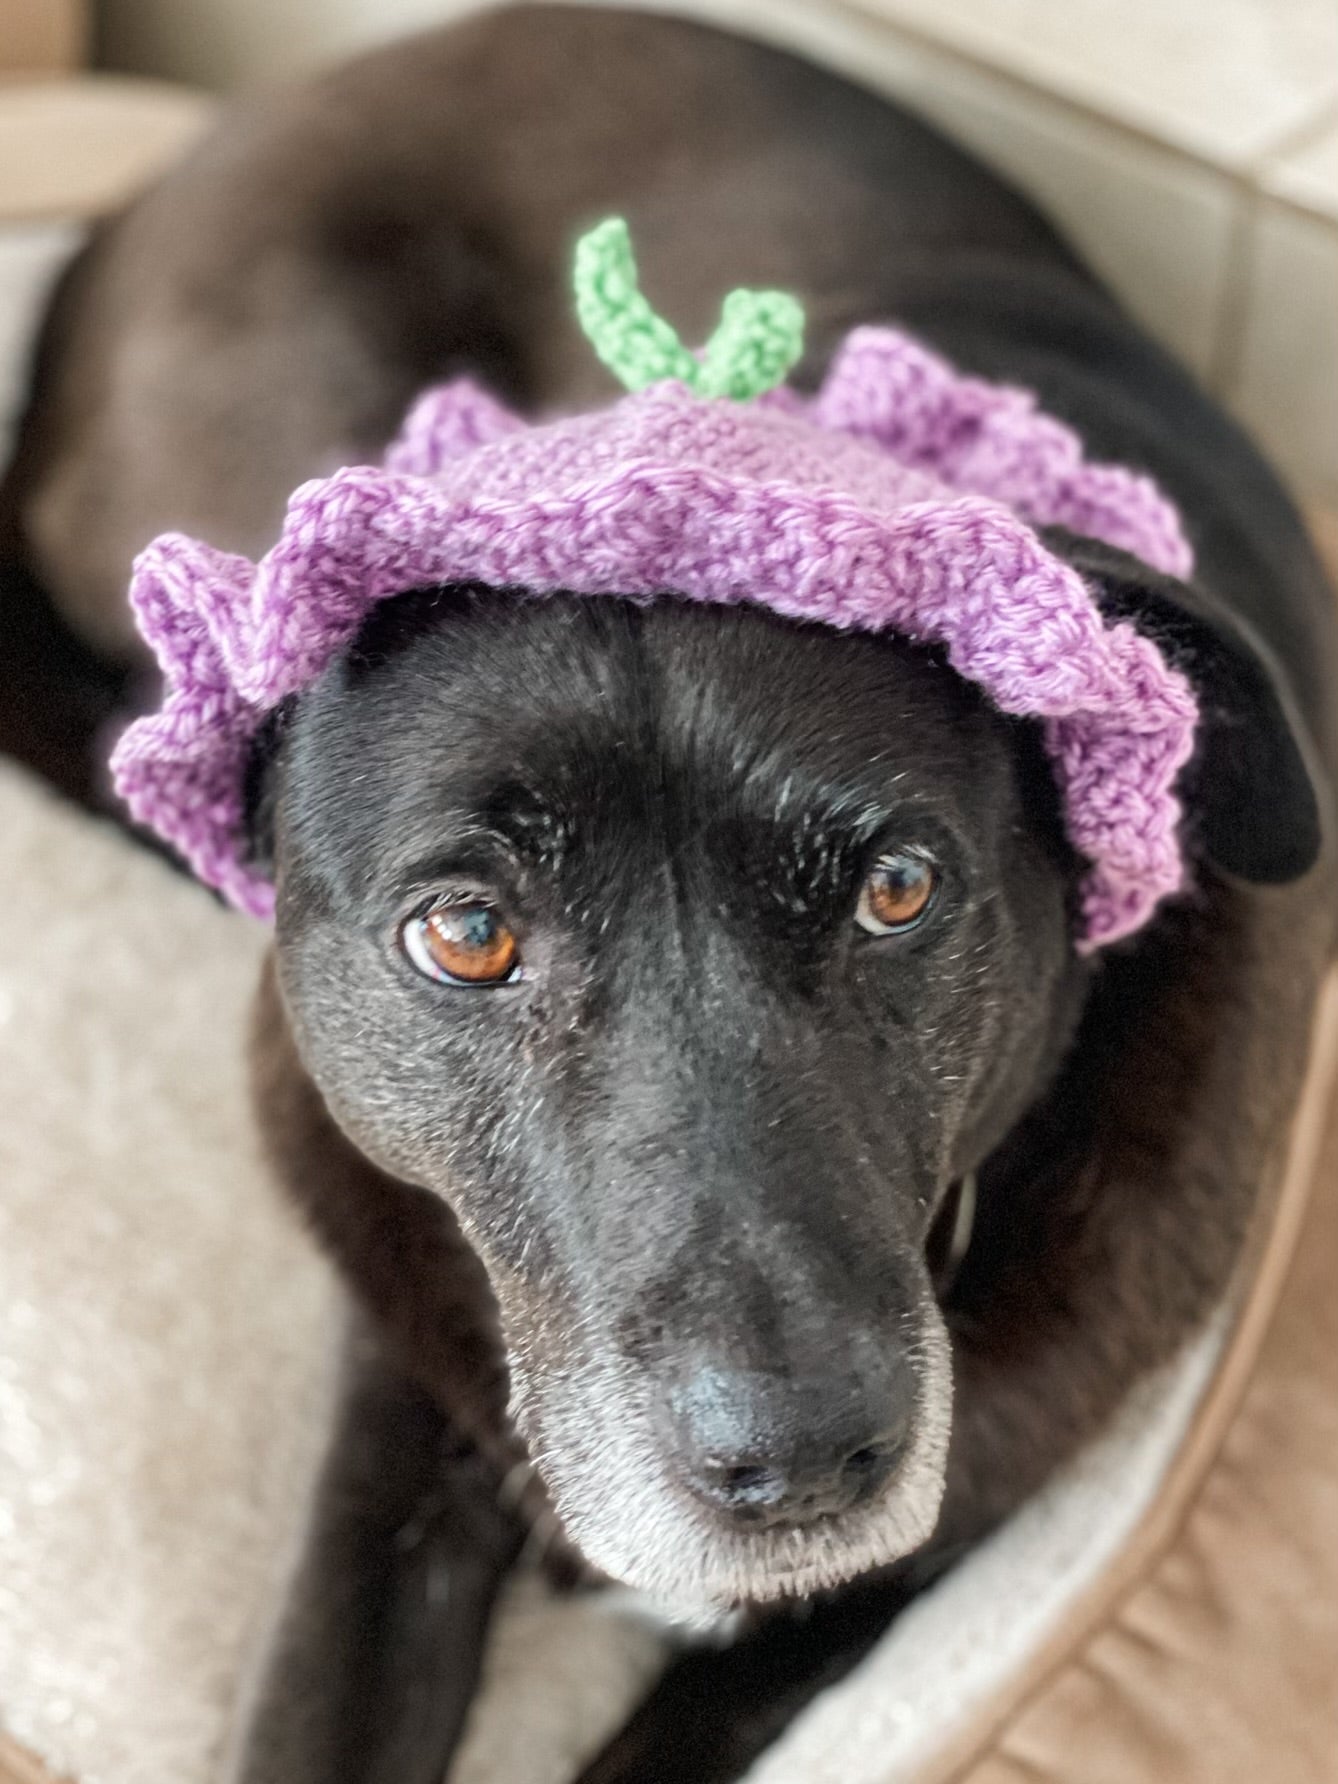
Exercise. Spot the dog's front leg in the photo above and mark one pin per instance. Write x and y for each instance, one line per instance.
(376, 1654)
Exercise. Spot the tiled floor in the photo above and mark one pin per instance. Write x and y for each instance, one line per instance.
(1285, 378)
(1227, 81)
(1189, 147)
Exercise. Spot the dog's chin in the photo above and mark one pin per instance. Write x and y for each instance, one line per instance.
(621, 1507)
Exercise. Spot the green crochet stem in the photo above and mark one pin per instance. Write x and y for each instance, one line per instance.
(761, 333)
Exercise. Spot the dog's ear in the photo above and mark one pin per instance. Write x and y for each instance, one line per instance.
(1250, 789)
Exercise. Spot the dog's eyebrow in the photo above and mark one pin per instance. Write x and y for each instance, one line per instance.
(823, 816)
(509, 825)
(822, 844)
(524, 821)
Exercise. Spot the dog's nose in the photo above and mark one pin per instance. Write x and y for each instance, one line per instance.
(766, 1450)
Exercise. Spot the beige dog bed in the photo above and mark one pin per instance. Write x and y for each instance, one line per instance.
(1167, 1611)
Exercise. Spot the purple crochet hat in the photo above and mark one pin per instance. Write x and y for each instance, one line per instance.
(901, 497)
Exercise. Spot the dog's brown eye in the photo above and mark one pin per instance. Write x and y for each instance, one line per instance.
(461, 944)
(896, 894)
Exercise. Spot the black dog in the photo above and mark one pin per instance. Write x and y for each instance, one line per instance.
(676, 1217)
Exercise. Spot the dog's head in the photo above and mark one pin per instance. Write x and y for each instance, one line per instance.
(693, 955)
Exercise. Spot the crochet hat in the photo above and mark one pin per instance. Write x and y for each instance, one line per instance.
(901, 497)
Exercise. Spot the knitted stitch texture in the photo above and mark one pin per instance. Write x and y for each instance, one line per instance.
(898, 498)
(761, 333)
